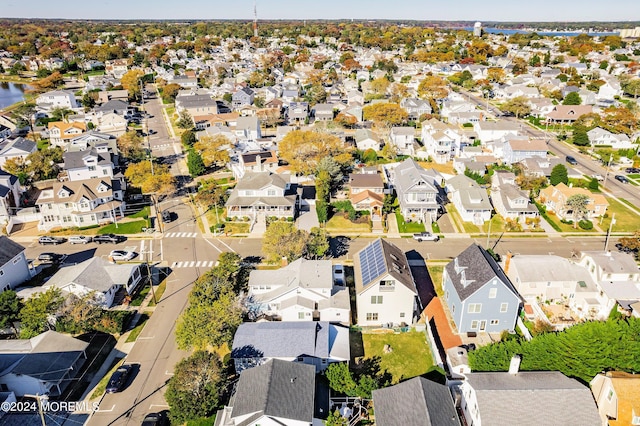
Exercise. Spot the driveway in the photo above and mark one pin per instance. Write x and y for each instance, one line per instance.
(308, 220)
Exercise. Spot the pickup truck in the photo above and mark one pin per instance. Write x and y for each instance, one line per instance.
(425, 236)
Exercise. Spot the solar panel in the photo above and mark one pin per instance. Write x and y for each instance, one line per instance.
(372, 262)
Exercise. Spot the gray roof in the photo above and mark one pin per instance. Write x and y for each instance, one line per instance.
(613, 262)
(408, 173)
(282, 339)
(20, 143)
(472, 196)
(280, 389)
(478, 267)
(75, 159)
(95, 273)
(114, 105)
(365, 180)
(314, 274)
(416, 402)
(7, 180)
(533, 398)
(8, 249)
(256, 181)
(377, 259)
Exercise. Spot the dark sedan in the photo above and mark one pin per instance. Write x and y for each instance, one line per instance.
(119, 378)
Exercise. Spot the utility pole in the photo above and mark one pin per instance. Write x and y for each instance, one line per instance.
(606, 175)
(489, 233)
(39, 399)
(145, 128)
(606, 241)
(149, 257)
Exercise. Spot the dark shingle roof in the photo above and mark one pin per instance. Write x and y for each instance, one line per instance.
(8, 249)
(416, 402)
(281, 339)
(478, 267)
(73, 160)
(378, 258)
(278, 388)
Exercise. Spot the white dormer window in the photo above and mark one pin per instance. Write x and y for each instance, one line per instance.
(63, 193)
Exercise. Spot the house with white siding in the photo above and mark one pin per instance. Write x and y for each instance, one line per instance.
(14, 268)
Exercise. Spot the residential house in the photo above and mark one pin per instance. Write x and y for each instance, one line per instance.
(366, 139)
(262, 193)
(316, 343)
(527, 398)
(549, 278)
(367, 193)
(116, 67)
(18, 148)
(386, 293)
(256, 161)
(113, 106)
(248, 129)
(14, 268)
(554, 198)
(56, 99)
(451, 107)
(617, 395)
(80, 203)
(43, 365)
(9, 196)
(600, 137)
(323, 112)
(488, 131)
(471, 201)
(98, 277)
(617, 278)
(275, 393)
(567, 114)
(102, 142)
(197, 105)
(479, 295)
(87, 164)
(60, 133)
(416, 107)
(242, 97)
(304, 290)
(538, 166)
(415, 402)
(403, 139)
(417, 191)
(516, 150)
(355, 97)
(186, 82)
(298, 113)
(105, 96)
(441, 141)
(509, 200)
(112, 124)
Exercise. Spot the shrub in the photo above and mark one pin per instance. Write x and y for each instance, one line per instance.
(322, 209)
(587, 225)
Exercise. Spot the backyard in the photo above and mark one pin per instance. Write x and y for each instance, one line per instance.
(410, 355)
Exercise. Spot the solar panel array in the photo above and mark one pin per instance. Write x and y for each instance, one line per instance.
(372, 262)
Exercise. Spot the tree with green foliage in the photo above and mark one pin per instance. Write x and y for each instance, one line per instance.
(318, 243)
(361, 381)
(594, 185)
(34, 315)
(370, 156)
(10, 306)
(518, 106)
(188, 138)
(44, 164)
(335, 419)
(581, 351)
(577, 204)
(581, 138)
(170, 92)
(284, 240)
(195, 390)
(184, 120)
(194, 163)
(572, 98)
(559, 174)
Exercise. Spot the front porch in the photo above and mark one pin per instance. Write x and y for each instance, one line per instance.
(260, 209)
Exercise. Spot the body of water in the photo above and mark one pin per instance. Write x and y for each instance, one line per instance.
(542, 33)
(10, 93)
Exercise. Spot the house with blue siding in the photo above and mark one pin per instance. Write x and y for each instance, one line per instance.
(479, 295)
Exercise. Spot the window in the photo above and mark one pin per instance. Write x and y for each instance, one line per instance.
(446, 295)
(494, 322)
(453, 309)
(271, 192)
(387, 283)
(474, 325)
(91, 168)
(16, 260)
(504, 307)
(301, 315)
(401, 314)
(300, 359)
(493, 292)
(372, 316)
(323, 361)
(475, 308)
(610, 395)
(376, 300)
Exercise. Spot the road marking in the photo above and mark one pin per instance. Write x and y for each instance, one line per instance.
(192, 264)
(212, 245)
(181, 235)
(224, 244)
(156, 405)
(146, 338)
(165, 372)
(107, 411)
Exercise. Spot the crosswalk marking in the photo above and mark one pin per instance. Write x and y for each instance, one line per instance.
(193, 264)
(167, 145)
(180, 235)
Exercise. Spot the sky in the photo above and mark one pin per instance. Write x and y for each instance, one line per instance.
(456, 10)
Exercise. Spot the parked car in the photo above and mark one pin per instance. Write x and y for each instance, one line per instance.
(632, 170)
(338, 275)
(50, 257)
(119, 378)
(51, 240)
(106, 238)
(571, 160)
(597, 177)
(167, 216)
(425, 236)
(79, 239)
(122, 255)
(621, 178)
(156, 419)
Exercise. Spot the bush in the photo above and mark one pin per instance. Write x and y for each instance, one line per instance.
(322, 209)
(587, 225)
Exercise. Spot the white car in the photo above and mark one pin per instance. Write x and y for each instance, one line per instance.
(338, 275)
(79, 239)
(121, 255)
(597, 177)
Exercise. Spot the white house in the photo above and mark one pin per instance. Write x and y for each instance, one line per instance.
(403, 138)
(60, 132)
(262, 193)
(14, 268)
(80, 203)
(490, 130)
(599, 137)
(97, 276)
(56, 99)
(385, 289)
(9, 196)
(301, 291)
(16, 148)
(88, 164)
(366, 139)
(471, 201)
(516, 150)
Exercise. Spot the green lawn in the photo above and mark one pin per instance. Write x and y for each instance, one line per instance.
(634, 176)
(565, 227)
(236, 227)
(410, 356)
(205, 421)
(435, 271)
(134, 227)
(408, 227)
(339, 223)
(144, 213)
(626, 220)
(43, 144)
(133, 335)
(159, 291)
(468, 227)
